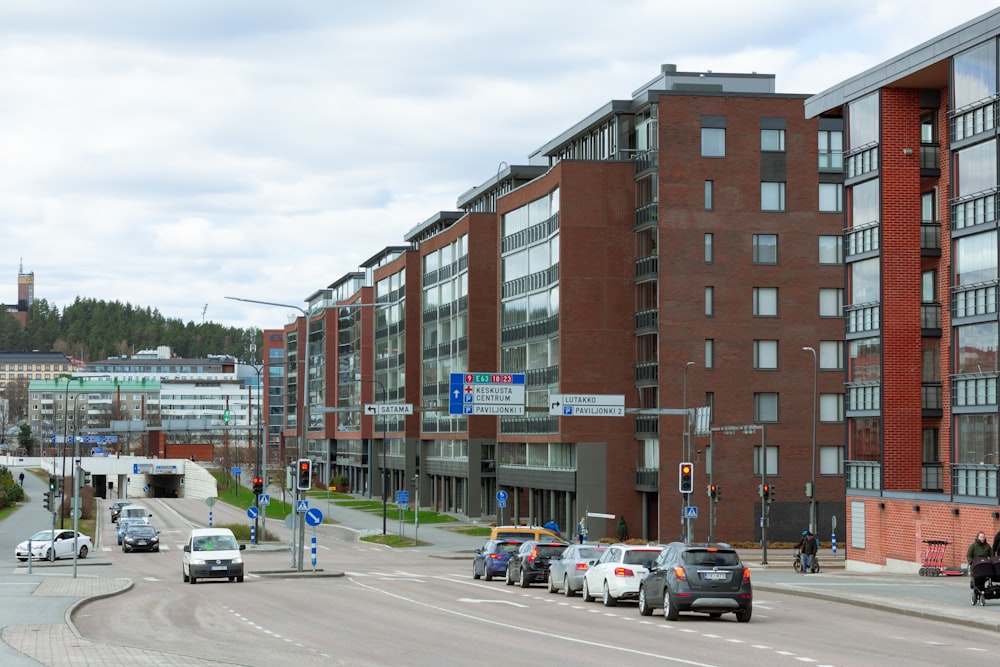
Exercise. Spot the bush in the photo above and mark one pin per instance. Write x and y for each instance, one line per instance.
(11, 492)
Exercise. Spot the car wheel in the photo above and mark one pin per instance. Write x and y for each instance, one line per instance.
(239, 579)
(184, 575)
(83, 552)
(715, 614)
(475, 572)
(606, 597)
(51, 555)
(670, 610)
(21, 559)
(567, 591)
(552, 585)
(743, 615)
(488, 576)
(509, 580)
(585, 593)
(523, 579)
(192, 580)
(644, 608)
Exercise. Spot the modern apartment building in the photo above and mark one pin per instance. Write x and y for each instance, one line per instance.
(921, 255)
(677, 249)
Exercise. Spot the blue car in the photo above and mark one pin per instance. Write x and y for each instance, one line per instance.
(491, 560)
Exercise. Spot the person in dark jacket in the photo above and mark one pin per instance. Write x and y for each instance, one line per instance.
(996, 543)
(807, 547)
(980, 548)
(622, 529)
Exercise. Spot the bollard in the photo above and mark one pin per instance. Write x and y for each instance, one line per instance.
(253, 534)
(833, 540)
(313, 549)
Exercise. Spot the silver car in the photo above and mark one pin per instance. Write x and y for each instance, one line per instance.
(566, 574)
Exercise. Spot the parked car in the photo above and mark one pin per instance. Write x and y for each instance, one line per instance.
(116, 509)
(124, 523)
(212, 553)
(52, 544)
(140, 537)
(566, 573)
(531, 562)
(707, 578)
(491, 560)
(618, 573)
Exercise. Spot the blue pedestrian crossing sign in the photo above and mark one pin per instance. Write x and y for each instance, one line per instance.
(264, 499)
(302, 506)
(690, 512)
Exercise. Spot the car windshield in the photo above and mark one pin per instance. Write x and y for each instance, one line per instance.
(215, 543)
(141, 530)
(550, 550)
(640, 556)
(42, 536)
(508, 547)
(708, 558)
(590, 552)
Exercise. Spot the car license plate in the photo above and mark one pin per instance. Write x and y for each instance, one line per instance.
(715, 576)
(218, 567)
(141, 543)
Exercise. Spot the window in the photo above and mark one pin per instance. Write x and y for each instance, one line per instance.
(709, 300)
(765, 248)
(765, 407)
(831, 460)
(709, 353)
(772, 140)
(831, 198)
(831, 355)
(831, 249)
(709, 248)
(831, 149)
(765, 301)
(772, 196)
(765, 354)
(831, 302)
(713, 142)
(772, 460)
(831, 408)
(708, 195)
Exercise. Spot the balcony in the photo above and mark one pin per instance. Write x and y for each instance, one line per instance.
(863, 240)
(930, 238)
(864, 397)
(974, 390)
(974, 210)
(647, 214)
(974, 479)
(932, 476)
(975, 299)
(863, 318)
(647, 425)
(863, 475)
(647, 479)
(930, 399)
(647, 372)
(646, 268)
(647, 320)
(930, 160)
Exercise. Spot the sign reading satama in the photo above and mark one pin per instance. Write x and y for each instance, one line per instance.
(486, 394)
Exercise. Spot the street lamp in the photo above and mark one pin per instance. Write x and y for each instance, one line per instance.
(303, 423)
(812, 484)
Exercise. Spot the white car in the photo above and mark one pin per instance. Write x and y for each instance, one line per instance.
(53, 544)
(618, 573)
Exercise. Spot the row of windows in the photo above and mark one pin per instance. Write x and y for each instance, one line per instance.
(772, 196)
(830, 144)
(765, 355)
(765, 301)
(765, 249)
(35, 367)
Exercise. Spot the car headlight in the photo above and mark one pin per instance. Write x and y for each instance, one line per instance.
(237, 561)
(197, 561)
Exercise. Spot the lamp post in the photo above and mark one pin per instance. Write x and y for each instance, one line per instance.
(303, 423)
(812, 483)
(685, 453)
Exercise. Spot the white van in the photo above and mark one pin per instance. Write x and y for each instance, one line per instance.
(212, 553)
(135, 512)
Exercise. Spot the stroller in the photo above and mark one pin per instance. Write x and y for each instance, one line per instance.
(985, 582)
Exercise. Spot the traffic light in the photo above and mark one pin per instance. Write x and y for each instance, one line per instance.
(48, 500)
(714, 492)
(53, 485)
(304, 477)
(685, 480)
(258, 485)
(765, 492)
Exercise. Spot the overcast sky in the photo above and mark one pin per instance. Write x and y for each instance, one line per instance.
(171, 153)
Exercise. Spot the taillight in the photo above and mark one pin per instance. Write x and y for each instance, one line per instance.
(746, 575)
(495, 556)
(624, 572)
(581, 566)
(680, 573)
(534, 554)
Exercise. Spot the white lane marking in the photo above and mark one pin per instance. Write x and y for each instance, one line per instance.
(475, 601)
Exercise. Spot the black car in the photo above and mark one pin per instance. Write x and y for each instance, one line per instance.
(116, 509)
(531, 562)
(708, 578)
(140, 537)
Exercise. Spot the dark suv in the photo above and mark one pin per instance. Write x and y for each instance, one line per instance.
(531, 562)
(708, 578)
(116, 509)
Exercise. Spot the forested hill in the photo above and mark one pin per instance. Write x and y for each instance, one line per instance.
(92, 330)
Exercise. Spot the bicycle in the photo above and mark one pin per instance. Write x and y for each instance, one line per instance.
(814, 565)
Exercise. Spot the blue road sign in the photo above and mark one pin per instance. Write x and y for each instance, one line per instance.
(690, 512)
(303, 506)
(402, 497)
(314, 517)
(501, 503)
(252, 512)
(264, 499)
(237, 471)
(501, 496)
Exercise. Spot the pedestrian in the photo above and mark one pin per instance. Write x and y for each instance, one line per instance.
(807, 547)
(553, 526)
(581, 530)
(622, 529)
(979, 548)
(20, 479)
(996, 543)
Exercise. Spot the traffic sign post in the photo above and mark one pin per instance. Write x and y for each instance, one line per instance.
(501, 503)
(314, 517)
(388, 409)
(587, 405)
(486, 394)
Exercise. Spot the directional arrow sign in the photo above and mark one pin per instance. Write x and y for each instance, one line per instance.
(389, 408)
(587, 405)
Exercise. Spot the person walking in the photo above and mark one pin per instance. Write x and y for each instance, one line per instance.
(807, 547)
(622, 529)
(20, 480)
(979, 548)
(581, 530)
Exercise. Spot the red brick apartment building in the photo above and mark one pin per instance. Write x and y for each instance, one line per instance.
(679, 249)
(921, 299)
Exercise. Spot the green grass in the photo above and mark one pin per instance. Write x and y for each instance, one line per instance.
(394, 541)
(242, 497)
(475, 531)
